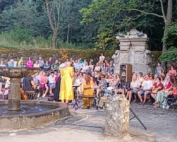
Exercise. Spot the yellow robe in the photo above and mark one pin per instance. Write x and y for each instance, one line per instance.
(66, 89)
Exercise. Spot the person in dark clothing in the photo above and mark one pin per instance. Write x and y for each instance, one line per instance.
(28, 84)
(57, 89)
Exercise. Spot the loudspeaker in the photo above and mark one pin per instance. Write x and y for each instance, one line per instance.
(126, 72)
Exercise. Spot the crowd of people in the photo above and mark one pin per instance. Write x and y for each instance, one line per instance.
(59, 80)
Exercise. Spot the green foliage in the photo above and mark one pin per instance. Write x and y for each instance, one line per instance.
(170, 55)
(170, 37)
(21, 34)
(113, 16)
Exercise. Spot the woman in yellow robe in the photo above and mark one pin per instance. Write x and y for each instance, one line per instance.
(66, 89)
(87, 91)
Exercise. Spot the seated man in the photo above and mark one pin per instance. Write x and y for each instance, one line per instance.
(145, 89)
(134, 88)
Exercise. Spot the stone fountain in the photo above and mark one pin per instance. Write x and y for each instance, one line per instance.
(16, 114)
(15, 75)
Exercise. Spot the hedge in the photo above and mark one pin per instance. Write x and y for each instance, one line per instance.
(63, 54)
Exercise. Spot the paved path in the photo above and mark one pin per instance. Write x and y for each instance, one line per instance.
(88, 125)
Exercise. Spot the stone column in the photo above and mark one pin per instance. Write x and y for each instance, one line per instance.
(14, 98)
(117, 116)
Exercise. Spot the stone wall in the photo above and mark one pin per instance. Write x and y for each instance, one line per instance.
(62, 54)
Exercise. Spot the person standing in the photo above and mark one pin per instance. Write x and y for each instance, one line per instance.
(66, 90)
(158, 69)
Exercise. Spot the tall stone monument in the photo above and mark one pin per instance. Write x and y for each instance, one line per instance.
(133, 50)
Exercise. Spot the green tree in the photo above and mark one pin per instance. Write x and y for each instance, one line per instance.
(114, 15)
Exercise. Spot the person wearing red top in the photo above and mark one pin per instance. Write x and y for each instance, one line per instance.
(173, 91)
(158, 86)
(160, 95)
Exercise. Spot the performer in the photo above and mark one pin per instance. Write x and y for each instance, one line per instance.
(66, 90)
(87, 91)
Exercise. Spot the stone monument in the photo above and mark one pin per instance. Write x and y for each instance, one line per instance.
(117, 116)
(133, 50)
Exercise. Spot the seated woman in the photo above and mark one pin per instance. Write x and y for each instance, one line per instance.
(160, 95)
(172, 71)
(173, 93)
(87, 91)
(158, 86)
(43, 84)
(102, 85)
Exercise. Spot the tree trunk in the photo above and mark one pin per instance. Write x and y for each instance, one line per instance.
(167, 22)
(54, 39)
(68, 33)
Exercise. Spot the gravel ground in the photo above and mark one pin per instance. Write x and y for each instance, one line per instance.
(88, 126)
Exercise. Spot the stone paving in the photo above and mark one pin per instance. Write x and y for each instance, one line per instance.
(88, 126)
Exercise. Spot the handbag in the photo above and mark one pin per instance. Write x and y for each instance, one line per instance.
(154, 91)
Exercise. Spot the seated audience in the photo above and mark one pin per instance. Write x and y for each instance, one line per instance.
(145, 90)
(52, 82)
(29, 63)
(36, 64)
(172, 71)
(102, 85)
(134, 88)
(46, 66)
(157, 86)
(43, 84)
(160, 95)
(2, 64)
(55, 66)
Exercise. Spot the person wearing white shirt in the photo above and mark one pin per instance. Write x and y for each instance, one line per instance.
(51, 79)
(102, 58)
(146, 89)
(135, 87)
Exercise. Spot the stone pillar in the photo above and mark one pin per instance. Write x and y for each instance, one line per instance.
(14, 98)
(117, 116)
